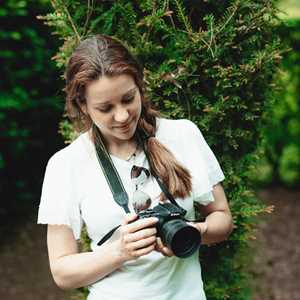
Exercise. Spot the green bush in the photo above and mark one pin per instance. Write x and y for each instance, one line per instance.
(289, 163)
(28, 102)
(212, 62)
(282, 134)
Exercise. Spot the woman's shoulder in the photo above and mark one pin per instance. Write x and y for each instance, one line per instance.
(72, 154)
(169, 128)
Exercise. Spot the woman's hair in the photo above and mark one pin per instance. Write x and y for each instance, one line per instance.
(101, 55)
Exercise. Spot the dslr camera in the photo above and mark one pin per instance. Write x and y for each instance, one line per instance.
(175, 233)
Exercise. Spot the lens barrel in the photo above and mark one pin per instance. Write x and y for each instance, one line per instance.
(180, 237)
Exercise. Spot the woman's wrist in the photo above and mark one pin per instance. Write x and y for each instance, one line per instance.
(116, 253)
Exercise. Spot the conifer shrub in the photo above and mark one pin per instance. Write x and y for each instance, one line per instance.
(209, 61)
(28, 102)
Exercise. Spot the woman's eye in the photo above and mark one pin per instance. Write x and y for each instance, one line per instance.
(104, 110)
(128, 99)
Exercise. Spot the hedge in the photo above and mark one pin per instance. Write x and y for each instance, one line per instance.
(212, 62)
(29, 107)
(280, 163)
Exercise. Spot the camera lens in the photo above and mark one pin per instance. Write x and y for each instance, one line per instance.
(183, 239)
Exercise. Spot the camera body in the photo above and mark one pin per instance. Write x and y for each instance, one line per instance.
(175, 233)
(164, 212)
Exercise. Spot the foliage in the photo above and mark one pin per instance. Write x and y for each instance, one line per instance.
(29, 81)
(281, 147)
(289, 9)
(212, 62)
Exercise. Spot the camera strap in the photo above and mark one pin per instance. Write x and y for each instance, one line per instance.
(111, 174)
(113, 178)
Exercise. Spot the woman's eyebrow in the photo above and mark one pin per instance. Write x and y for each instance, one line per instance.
(130, 91)
(107, 102)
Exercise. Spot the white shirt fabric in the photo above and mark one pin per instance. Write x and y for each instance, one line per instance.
(75, 191)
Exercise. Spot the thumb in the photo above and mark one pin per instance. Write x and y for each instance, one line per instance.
(130, 217)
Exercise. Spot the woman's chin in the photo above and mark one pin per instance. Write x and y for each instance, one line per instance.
(126, 135)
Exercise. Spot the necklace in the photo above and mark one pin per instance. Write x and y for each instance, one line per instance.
(133, 155)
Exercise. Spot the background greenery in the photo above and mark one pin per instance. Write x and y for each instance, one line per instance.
(280, 163)
(212, 62)
(29, 105)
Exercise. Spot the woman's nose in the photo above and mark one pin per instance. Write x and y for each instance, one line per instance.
(121, 115)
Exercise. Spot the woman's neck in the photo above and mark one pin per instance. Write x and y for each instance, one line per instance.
(122, 149)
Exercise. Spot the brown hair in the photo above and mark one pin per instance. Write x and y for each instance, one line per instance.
(101, 55)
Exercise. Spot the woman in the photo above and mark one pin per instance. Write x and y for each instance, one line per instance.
(105, 92)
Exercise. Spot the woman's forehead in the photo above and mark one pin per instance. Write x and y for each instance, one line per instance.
(106, 88)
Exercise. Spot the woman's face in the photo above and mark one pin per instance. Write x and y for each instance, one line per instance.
(114, 105)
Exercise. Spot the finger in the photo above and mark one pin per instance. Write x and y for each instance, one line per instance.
(142, 223)
(141, 244)
(140, 234)
(167, 252)
(201, 226)
(191, 224)
(143, 251)
(162, 248)
(159, 246)
(159, 243)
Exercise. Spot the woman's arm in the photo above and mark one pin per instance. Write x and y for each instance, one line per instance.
(71, 269)
(218, 223)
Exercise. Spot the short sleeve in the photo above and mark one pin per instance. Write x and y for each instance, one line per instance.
(59, 203)
(204, 167)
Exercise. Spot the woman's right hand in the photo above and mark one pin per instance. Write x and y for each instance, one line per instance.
(135, 238)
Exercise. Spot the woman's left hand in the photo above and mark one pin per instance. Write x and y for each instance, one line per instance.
(164, 250)
(201, 226)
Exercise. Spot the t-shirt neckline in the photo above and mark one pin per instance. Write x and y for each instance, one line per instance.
(140, 155)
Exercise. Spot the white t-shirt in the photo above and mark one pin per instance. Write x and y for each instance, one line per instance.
(75, 191)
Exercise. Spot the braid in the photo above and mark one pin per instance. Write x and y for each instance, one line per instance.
(176, 177)
(99, 56)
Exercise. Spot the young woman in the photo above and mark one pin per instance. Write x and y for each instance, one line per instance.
(105, 92)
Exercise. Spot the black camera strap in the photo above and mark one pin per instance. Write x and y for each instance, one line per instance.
(113, 178)
(111, 174)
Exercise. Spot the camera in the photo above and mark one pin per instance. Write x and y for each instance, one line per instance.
(175, 233)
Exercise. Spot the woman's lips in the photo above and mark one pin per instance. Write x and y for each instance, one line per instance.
(125, 127)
